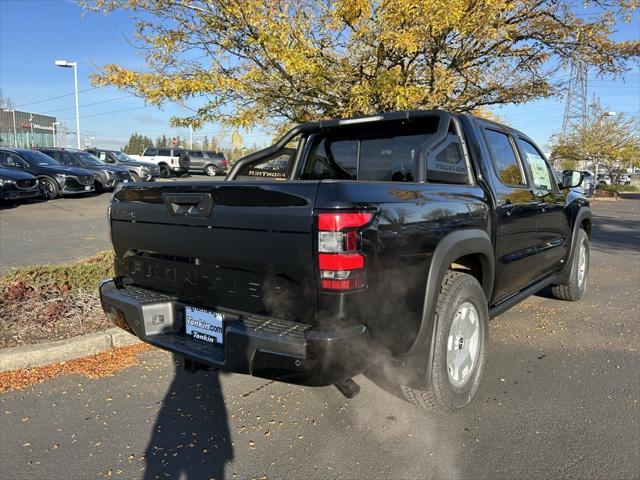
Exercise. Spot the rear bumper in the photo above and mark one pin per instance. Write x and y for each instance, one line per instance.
(253, 344)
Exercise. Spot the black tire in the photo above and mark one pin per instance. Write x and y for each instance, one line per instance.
(575, 288)
(211, 170)
(443, 394)
(135, 176)
(165, 171)
(98, 187)
(48, 188)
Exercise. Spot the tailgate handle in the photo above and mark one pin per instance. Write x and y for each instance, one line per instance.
(188, 204)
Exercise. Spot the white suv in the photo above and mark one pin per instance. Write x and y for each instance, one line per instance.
(170, 160)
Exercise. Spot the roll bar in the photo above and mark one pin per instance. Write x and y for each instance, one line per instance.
(444, 121)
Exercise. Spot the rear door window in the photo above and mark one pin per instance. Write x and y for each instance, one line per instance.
(164, 152)
(504, 158)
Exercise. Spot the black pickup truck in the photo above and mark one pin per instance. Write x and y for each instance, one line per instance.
(378, 244)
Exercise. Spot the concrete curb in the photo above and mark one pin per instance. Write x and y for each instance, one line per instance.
(62, 350)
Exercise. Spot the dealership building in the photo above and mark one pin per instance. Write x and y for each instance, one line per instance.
(27, 130)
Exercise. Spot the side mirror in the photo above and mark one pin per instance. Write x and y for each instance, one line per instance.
(571, 178)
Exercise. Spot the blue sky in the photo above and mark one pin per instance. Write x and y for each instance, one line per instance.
(34, 33)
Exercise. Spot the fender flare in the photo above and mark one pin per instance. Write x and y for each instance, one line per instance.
(417, 362)
(584, 213)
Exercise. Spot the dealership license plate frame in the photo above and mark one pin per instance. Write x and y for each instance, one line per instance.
(204, 325)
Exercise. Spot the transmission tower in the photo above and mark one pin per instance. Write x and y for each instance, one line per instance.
(575, 110)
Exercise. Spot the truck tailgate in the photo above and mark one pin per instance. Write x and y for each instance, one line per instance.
(242, 246)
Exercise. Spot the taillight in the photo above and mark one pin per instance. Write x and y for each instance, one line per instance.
(340, 261)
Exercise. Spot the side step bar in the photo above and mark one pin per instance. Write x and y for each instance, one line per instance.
(518, 297)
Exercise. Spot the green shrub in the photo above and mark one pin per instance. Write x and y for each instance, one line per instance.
(618, 188)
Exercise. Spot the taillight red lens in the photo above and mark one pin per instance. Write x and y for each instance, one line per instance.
(340, 221)
(349, 284)
(341, 265)
(340, 261)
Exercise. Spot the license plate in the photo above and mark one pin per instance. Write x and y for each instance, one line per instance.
(125, 181)
(88, 187)
(204, 325)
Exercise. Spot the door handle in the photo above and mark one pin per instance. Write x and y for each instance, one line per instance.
(188, 204)
(508, 208)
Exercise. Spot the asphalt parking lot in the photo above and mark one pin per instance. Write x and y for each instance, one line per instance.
(59, 230)
(560, 399)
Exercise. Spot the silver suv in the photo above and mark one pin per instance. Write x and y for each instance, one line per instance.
(208, 162)
(140, 171)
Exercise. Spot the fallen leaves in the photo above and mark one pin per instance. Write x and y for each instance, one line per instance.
(103, 364)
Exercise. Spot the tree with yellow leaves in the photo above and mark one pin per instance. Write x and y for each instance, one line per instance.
(250, 62)
(605, 140)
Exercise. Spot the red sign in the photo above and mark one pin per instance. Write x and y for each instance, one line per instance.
(174, 141)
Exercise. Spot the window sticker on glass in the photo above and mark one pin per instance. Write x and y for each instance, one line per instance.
(539, 170)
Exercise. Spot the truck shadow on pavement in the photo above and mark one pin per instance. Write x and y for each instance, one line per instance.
(191, 438)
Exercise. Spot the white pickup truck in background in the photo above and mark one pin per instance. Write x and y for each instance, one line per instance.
(170, 160)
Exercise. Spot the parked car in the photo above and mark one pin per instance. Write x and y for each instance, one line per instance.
(140, 171)
(211, 163)
(106, 176)
(603, 179)
(382, 243)
(17, 185)
(170, 160)
(54, 178)
(624, 179)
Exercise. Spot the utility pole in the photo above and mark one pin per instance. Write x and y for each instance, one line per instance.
(575, 110)
(74, 65)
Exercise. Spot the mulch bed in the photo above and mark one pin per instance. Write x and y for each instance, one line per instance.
(43, 313)
(100, 365)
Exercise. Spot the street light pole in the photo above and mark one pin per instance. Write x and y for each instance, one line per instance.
(67, 64)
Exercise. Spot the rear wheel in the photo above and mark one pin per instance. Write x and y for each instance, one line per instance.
(211, 170)
(48, 188)
(165, 171)
(576, 286)
(462, 330)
